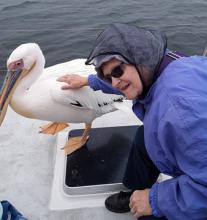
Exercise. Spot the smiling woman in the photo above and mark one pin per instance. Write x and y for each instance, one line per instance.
(163, 85)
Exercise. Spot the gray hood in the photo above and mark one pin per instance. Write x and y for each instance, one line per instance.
(138, 46)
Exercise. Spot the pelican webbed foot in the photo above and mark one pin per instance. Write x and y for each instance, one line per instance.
(53, 128)
(74, 143)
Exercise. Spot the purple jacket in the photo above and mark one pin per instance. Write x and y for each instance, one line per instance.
(174, 114)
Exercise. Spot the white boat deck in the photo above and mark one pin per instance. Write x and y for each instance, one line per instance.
(31, 171)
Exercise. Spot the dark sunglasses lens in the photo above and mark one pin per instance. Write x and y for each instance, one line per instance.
(117, 71)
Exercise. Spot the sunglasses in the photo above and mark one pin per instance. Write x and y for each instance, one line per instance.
(117, 72)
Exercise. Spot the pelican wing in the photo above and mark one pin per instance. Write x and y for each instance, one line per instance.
(86, 98)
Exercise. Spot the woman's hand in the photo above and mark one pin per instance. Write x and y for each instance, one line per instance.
(139, 203)
(74, 81)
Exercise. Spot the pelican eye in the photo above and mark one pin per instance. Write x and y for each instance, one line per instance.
(18, 63)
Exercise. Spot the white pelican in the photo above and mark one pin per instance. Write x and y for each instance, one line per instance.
(33, 92)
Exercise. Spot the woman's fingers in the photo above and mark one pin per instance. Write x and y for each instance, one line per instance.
(73, 81)
(64, 78)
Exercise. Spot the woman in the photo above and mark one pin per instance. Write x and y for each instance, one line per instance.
(169, 95)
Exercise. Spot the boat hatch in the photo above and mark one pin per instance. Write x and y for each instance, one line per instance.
(99, 166)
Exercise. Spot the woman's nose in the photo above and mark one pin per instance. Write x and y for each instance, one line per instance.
(115, 82)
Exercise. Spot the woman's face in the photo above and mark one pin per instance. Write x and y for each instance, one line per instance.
(129, 83)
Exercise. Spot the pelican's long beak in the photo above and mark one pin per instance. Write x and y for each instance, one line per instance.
(11, 80)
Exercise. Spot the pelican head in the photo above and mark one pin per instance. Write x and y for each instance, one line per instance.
(20, 63)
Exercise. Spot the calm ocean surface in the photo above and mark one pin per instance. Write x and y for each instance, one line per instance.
(66, 30)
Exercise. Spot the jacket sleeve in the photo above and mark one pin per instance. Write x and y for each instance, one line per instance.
(183, 139)
(179, 198)
(97, 84)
